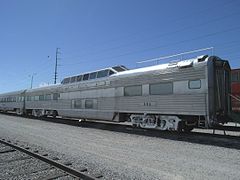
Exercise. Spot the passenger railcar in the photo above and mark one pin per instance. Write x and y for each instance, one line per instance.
(174, 96)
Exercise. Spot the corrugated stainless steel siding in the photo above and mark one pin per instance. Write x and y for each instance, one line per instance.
(159, 76)
(187, 104)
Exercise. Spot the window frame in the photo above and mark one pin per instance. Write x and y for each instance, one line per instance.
(77, 104)
(103, 73)
(29, 98)
(66, 80)
(48, 97)
(94, 74)
(73, 79)
(36, 98)
(124, 90)
(189, 83)
(79, 78)
(41, 97)
(110, 72)
(85, 75)
(161, 83)
(55, 96)
(86, 106)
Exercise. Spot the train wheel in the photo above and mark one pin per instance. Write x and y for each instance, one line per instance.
(183, 128)
(54, 114)
(187, 128)
(19, 112)
(180, 126)
(149, 121)
(37, 112)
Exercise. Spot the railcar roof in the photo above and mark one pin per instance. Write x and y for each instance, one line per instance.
(12, 93)
(179, 64)
(49, 87)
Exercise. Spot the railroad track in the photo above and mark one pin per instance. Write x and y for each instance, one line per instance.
(71, 121)
(227, 128)
(220, 140)
(23, 163)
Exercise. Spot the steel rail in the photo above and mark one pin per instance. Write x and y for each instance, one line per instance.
(68, 170)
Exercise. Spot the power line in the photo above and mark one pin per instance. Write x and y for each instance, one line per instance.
(183, 41)
(167, 45)
(186, 28)
(174, 21)
(25, 81)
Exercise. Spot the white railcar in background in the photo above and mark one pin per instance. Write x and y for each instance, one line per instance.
(174, 96)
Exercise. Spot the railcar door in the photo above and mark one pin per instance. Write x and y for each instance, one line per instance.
(222, 90)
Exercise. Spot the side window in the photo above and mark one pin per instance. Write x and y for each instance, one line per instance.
(161, 88)
(41, 98)
(93, 75)
(48, 97)
(103, 73)
(66, 80)
(111, 72)
(32, 98)
(79, 78)
(73, 79)
(133, 91)
(88, 104)
(85, 77)
(77, 103)
(28, 98)
(36, 98)
(194, 84)
(56, 96)
(20, 99)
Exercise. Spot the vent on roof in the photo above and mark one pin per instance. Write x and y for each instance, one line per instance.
(202, 58)
(185, 64)
(173, 63)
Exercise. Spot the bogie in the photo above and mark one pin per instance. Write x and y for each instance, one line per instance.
(155, 121)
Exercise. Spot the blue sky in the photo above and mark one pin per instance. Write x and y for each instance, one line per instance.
(94, 34)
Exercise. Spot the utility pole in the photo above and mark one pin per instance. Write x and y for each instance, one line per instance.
(56, 65)
(32, 79)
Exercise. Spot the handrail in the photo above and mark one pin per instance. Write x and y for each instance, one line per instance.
(175, 55)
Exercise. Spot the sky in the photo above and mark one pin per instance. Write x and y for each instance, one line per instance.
(95, 34)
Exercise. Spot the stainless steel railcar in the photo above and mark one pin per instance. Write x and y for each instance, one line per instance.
(174, 96)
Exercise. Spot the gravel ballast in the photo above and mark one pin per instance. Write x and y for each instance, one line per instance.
(125, 156)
